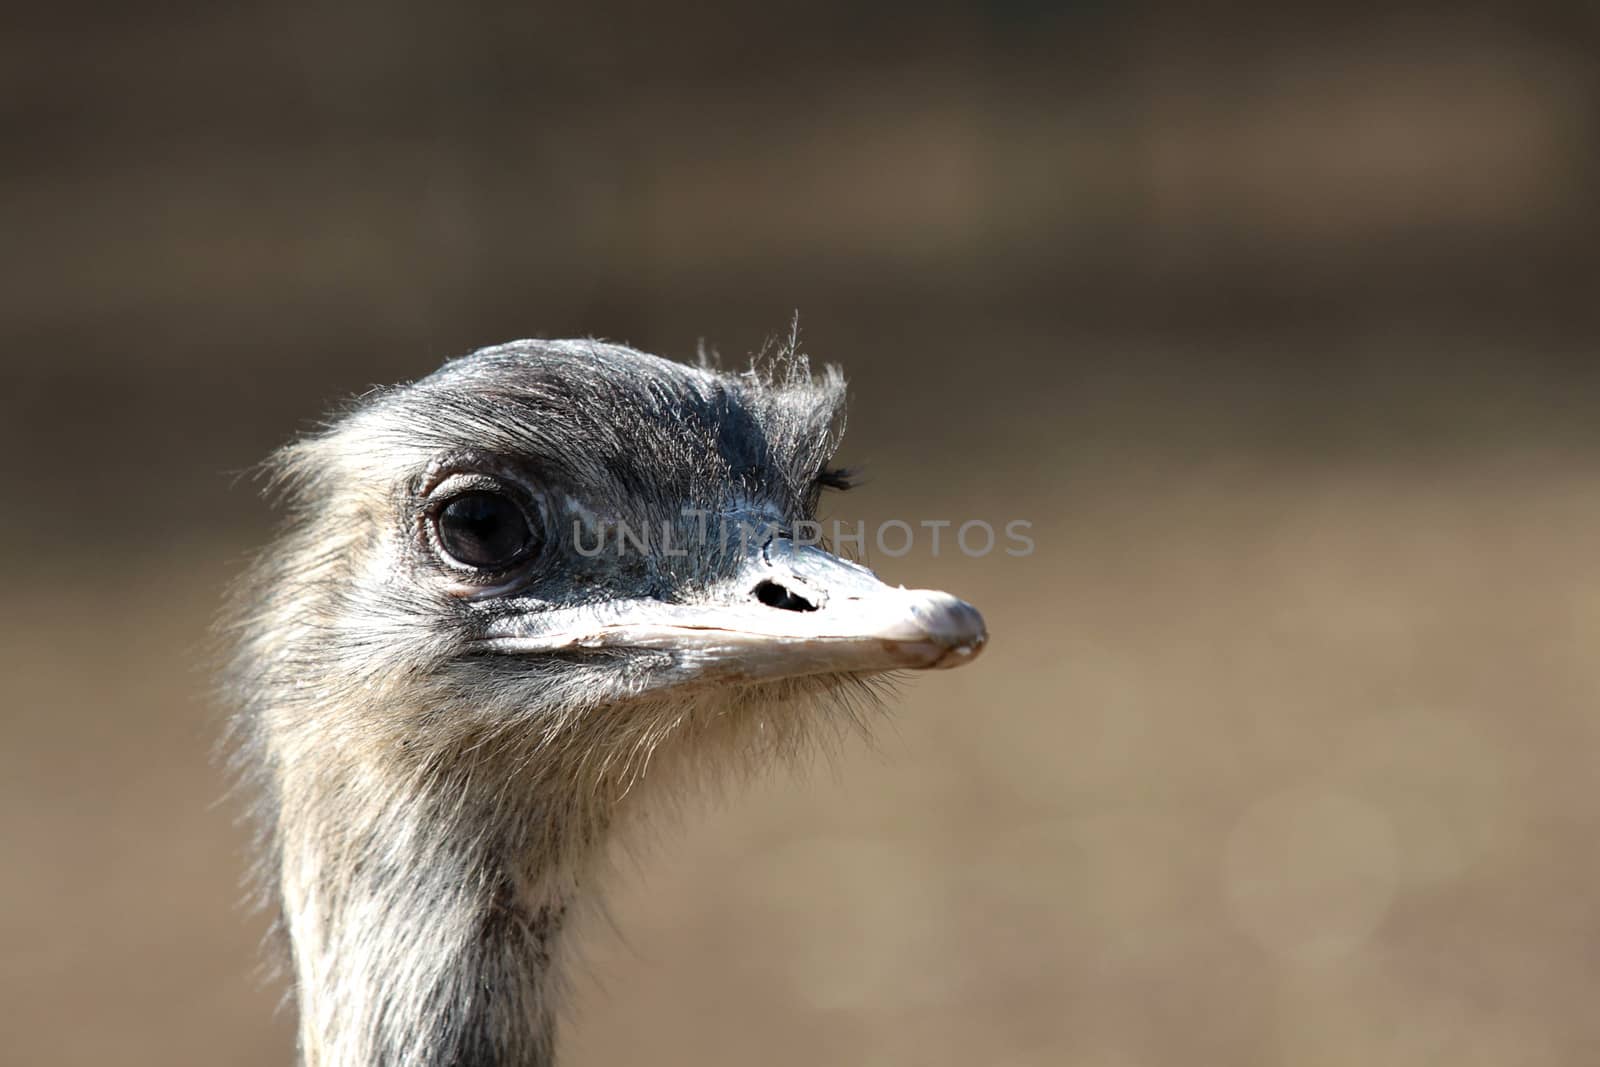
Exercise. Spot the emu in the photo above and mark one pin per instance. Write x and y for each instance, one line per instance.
(504, 596)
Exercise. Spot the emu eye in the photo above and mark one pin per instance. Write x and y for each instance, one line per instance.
(484, 530)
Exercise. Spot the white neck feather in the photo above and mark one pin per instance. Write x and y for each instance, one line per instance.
(417, 943)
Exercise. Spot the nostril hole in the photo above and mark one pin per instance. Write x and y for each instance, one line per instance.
(774, 595)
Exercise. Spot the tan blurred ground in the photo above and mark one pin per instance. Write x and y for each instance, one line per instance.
(1277, 323)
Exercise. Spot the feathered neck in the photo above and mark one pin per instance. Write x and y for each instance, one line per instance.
(423, 930)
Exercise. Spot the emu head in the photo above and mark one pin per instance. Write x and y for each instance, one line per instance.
(505, 593)
(524, 574)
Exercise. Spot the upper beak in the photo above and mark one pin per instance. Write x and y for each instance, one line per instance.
(791, 610)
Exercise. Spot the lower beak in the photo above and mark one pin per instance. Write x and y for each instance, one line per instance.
(792, 610)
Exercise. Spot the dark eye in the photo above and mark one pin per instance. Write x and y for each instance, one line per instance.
(485, 530)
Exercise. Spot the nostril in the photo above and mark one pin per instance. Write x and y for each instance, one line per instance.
(774, 595)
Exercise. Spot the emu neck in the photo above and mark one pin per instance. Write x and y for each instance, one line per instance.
(422, 935)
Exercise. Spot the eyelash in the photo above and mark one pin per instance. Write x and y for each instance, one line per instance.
(840, 478)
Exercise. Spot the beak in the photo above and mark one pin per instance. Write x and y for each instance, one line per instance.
(791, 610)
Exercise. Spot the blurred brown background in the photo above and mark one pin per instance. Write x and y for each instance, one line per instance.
(1277, 321)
